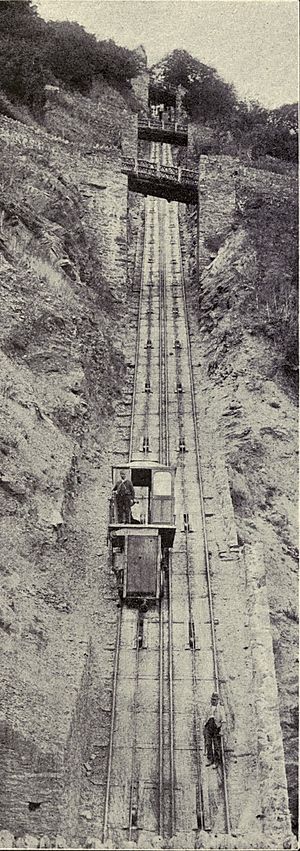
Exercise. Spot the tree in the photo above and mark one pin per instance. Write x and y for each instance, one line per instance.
(33, 52)
(266, 132)
(210, 100)
(207, 96)
(75, 57)
(179, 68)
(21, 74)
(286, 117)
(17, 18)
(69, 52)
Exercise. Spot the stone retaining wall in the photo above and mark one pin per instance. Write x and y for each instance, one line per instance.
(130, 137)
(270, 754)
(223, 181)
(105, 190)
(217, 199)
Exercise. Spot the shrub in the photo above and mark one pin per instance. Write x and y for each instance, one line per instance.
(33, 53)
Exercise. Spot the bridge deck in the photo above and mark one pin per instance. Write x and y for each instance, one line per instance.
(163, 131)
(149, 178)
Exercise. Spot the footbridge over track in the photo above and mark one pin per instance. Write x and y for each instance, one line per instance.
(162, 181)
(171, 132)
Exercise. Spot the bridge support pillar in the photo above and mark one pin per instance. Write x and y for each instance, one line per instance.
(130, 136)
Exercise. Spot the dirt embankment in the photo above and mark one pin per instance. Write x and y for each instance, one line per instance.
(62, 366)
(242, 315)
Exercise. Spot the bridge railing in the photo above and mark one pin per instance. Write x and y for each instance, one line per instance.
(147, 169)
(128, 164)
(157, 124)
(169, 171)
(188, 175)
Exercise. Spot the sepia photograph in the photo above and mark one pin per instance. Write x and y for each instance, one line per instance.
(149, 622)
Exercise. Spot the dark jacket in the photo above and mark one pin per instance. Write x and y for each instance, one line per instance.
(124, 488)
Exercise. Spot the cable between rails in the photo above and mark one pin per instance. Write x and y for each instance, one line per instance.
(199, 797)
(164, 428)
(206, 551)
(138, 337)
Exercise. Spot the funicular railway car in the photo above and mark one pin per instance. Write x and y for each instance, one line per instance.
(139, 549)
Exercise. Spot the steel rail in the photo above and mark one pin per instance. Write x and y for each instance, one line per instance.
(171, 702)
(206, 550)
(166, 459)
(137, 346)
(118, 635)
(149, 232)
(112, 726)
(156, 153)
(149, 351)
(138, 336)
(149, 229)
(162, 353)
(133, 783)
(161, 709)
(165, 343)
(199, 807)
(162, 403)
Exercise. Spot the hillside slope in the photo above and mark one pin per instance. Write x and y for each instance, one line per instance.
(244, 337)
(63, 283)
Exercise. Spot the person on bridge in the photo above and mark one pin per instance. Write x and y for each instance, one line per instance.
(214, 721)
(125, 498)
(160, 110)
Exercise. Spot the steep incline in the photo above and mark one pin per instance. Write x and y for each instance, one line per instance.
(63, 283)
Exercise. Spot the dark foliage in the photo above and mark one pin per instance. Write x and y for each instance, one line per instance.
(75, 57)
(267, 132)
(33, 53)
(206, 95)
(23, 78)
(210, 100)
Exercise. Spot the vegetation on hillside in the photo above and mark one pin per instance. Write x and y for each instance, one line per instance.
(210, 100)
(272, 305)
(255, 279)
(34, 53)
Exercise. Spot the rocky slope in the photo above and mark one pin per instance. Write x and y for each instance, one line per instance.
(63, 361)
(244, 351)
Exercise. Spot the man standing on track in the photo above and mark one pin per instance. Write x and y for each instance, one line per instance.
(125, 498)
(213, 730)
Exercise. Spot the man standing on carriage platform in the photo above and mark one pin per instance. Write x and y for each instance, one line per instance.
(125, 498)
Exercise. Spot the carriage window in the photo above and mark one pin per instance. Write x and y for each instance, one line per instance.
(162, 484)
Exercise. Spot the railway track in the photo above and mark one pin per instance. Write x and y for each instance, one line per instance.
(166, 662)
(192, 582)
(141, 707)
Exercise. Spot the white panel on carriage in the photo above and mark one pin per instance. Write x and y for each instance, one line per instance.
(162, 483)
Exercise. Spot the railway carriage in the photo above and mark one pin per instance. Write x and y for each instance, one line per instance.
(139, 550)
